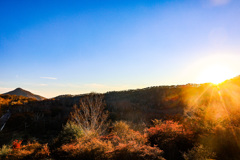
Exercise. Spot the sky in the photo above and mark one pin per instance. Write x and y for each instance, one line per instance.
(72, 47)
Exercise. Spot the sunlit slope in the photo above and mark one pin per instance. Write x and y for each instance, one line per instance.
(217, 103)
(6, 100)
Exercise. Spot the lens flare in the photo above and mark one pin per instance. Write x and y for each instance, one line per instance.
(215, 74)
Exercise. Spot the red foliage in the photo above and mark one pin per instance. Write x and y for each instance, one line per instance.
(169, 127)
(110, 137)
(172, 137)
(134, 151)
(16, 144)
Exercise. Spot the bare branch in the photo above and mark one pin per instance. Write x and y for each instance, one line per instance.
(90, 114)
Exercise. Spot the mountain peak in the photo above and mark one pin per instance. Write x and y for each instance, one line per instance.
(21, 92)
(19, 89)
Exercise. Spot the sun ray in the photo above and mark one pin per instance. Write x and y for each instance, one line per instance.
(209, 102)
(194, 105)
(228, 117)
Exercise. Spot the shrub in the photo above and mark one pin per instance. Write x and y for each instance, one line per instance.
(31, 151)
(120, 127)
(70, 133)
(16, 144)
(42, 152)
(91, 114)
(135, 151)
(199, 153)
(5, 150)
(122, 134)
(96, 149)
(84, 148)
(171, 137)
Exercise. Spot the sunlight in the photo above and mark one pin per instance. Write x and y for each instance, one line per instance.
(215, 74)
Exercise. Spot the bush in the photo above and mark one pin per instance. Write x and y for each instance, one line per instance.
(16, 144)
(42, 152)
(123, 134)
(135, 151)
(5, 150)
(96, 149)
(120, 128)
(31, 151)
(90, 114)
(171, 137)
(199, 153)
(70, 133)
(85, 148)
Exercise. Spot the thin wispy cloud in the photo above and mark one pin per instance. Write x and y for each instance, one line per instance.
(219, 2)
(52, 78)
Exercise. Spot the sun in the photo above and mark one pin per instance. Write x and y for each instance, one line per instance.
(215, 74)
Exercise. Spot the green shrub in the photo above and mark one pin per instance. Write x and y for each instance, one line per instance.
(120, 128)
(70, 133)
(5, 150)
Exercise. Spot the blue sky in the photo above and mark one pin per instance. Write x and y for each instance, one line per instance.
(72, 47)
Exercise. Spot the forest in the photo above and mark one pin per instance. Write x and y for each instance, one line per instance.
(183, 122)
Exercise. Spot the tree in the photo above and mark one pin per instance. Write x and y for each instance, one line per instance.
(90, 114)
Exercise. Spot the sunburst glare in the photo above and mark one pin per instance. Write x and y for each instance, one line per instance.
(215, 74)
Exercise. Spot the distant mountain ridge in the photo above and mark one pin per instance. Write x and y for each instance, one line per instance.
(22, 92)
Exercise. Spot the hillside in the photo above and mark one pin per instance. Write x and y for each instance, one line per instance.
(198, 108)
(22, 92)
(9, 100)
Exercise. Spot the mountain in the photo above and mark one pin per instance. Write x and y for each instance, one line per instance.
(22, 92)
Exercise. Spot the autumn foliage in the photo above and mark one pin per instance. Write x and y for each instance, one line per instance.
(170, 136)
(111, 146)
(30, 151)
(16, 144)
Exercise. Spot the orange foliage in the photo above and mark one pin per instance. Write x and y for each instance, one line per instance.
(168, 126)
(85, 148)
(43, 152)
(30, 151)
(122, 133)
(134, 151)
(172, 137)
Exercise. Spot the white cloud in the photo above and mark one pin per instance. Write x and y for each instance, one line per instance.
(219, 2)
(52, 78)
